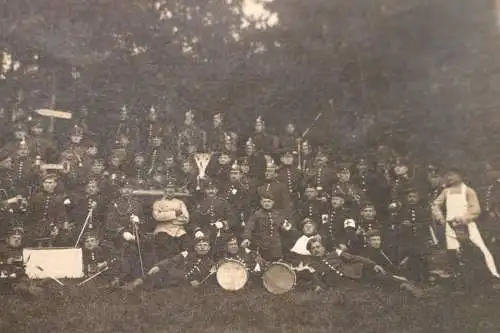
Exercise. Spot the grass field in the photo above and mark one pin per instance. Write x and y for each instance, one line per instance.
(353, 308)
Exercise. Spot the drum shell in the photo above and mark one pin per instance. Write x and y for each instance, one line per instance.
(279, 278)
(232, 275)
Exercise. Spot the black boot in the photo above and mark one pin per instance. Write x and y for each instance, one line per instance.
(457, 283)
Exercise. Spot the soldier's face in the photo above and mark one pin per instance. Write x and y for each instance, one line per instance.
(202, 248)
(15, 241)
(369, 213)
(259, 127)
(306, 149)
(412, 198)
(290, 128)
(270, 174)
(375, 242)
(91, 243)
(217, 120)
(20, 134)
(224, 159)
(337, 202)
(187, 167)
(317, 249)
(191, 149)
(344, 175)
(37, 129)
(320, 160)
(310, 193)
(234, 175)
(116, 161)
(245, 169)
(286, 159)
(152, 116)
(435, 181)
(170, 192)
(156, 141)
(92, 150)
(76, 138)
(97, 167)
(139, 160)
(124, 141)
(188, 118)
(92, 188)
(211, 191)
(169, 162)
(49, 185)
(400, 170)
(233, 247)
(453, 179)
(249, 149)
(309, 229)
(362, 166)
(23, 151)
(267, 203)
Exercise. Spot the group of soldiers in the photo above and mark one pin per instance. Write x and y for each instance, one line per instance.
(154, 194)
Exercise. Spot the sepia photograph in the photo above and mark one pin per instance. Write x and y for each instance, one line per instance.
(249, 166)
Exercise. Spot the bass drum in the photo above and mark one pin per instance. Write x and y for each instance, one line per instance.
(279, 278)
(232, 275)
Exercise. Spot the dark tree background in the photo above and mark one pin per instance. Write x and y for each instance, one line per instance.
(419, 74)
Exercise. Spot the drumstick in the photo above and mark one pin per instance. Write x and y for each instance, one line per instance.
(83, 227)
(50, 276)
(93, 276)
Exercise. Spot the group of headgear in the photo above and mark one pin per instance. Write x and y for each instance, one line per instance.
(156, 204)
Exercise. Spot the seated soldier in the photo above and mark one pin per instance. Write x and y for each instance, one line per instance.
(375, 251)
(193, 268)
(12, 272)
(331, 268)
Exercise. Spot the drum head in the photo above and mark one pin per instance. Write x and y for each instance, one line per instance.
(279, 278)
(232, 275)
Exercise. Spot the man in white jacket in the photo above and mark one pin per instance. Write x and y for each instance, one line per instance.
(461, 210)
(172, 216)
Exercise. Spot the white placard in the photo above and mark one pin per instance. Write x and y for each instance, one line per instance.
(61, 263)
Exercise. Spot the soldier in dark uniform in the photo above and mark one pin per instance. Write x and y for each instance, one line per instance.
(265, 228)
(400, 179)
(306, 156)
(289, 174)
(219, 166)
(320, 174)
(48, 216)
(264, 142)
(25, 177)
(279, 190)
(116, 173)
(216, 135)
(367, 221)
(123, 216)
(414, 236)
(191, 138)
(371, 183)
(290, 138)
(213, 217)
(75, 155)
(151, 128)
(352, 194)
(156, 152)
(138, 170)
(239, 197)
(40, 143)
(338, 227)
(312, 206)
(255, 160)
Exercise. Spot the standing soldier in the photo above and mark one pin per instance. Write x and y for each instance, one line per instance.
(344, 184)
(279, 190)
(265, 228)
(216, 136)
(238, 195)
(191, 138)
(40, 143)
(290, 138)
(85, 200)
(48, 221)
(289, 174)
(312, 206)
(320, 174)
(255, 161)
(214, 218)
(264, 142)
(25, 178)
(75, 155)
(116, 175)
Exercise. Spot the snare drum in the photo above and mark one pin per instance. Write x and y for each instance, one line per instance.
(232, 275)
(279, 278)
(53, 262)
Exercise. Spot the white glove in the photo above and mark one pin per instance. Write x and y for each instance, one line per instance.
(134, 219)
(67, 202)
(128, 236)
(286, 225)
(154, 270)
(199, 234)
(184, 254)
(219, 225)
(245, 243)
